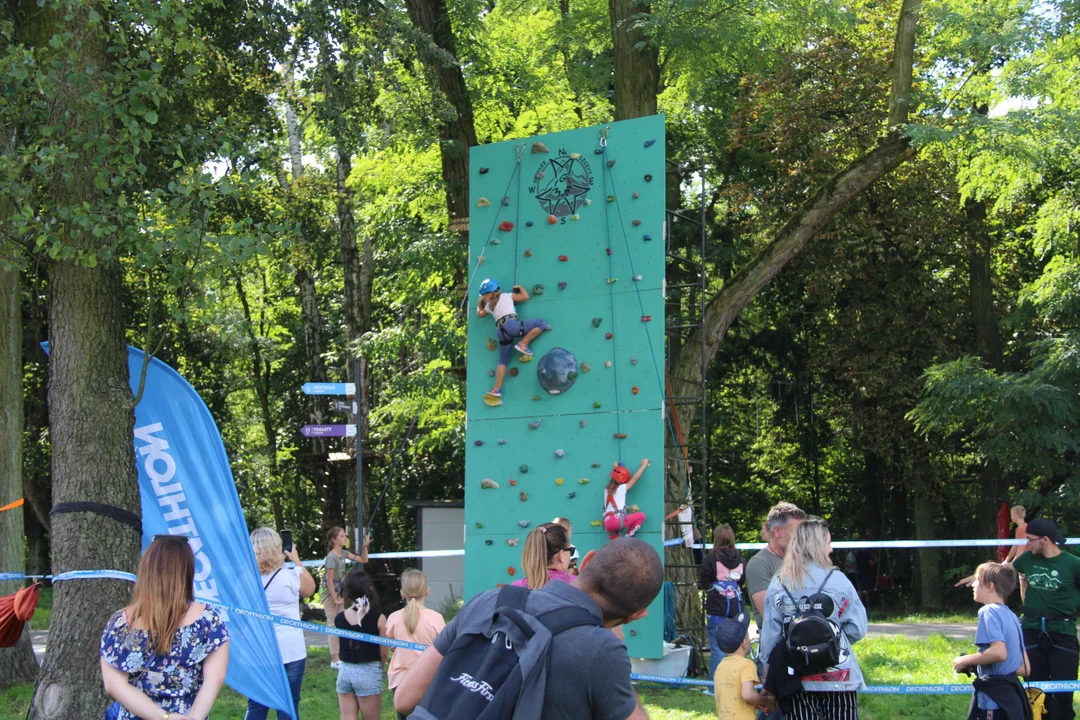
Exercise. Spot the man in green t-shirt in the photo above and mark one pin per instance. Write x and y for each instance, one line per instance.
(1050, 605)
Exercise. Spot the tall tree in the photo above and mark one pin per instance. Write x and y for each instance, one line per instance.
(637, 61)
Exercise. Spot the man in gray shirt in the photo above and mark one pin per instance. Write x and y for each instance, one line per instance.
(589, 673)
(783, 518)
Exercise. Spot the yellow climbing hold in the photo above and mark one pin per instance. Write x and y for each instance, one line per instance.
(483, 202)
(525, 358)
(491, 344)
(558, 481)
(595, 523)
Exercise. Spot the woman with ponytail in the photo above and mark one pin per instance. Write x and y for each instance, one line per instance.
(546, 556)
(413, 623)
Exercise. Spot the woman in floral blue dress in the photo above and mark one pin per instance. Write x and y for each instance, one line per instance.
(164, 655)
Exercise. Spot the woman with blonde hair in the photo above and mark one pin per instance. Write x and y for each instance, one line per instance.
(808, 583)
(164, 655)
(283, 588)
(546, 556)
(413, 623)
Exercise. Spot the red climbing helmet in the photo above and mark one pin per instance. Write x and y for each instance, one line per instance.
(620, 474)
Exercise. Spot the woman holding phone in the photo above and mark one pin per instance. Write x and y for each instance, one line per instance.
(283, 588)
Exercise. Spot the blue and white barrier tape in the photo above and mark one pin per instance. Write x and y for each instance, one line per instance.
(72, 575)
(887, 544)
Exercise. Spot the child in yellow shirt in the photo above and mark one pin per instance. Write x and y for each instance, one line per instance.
(736, 675)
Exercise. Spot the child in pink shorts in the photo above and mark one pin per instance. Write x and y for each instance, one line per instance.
(616, 518)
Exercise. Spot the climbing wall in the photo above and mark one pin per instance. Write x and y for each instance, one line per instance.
(576, 218)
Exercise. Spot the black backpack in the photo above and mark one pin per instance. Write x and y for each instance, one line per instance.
(498, 670)
(812, 640)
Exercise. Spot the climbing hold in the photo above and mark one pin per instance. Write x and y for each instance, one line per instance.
(583, 481)
(633, 633)
(588, 202)
(647, 237)
(488, 542)
(484, 171)
(506, 226)
(611, 198)
(512, 542)
(596, 404)
(607, 363)
(506, 201)
(483, 202)
(491, 373)
(646, 318)
(525, 359)
(538, 289)
(488, 484)
(635, 223)
(513, 482)
(610, 163)
(635, 389)
(528, 223)
(481, 260)
(539, 147)
(581, 423)
(528, 252)
(609, 252)
(571, 495)
(501, 441)
(523, 469)
(539, 174)
(620, 436)
(511, 571)
(479, 526)
(491, 344)
(558, 481)
(612, 280)
(598, 151)
(535, 424)
(596, 322)
(563, 258)
(649, 143)
(562, 286)
(585, 367)
(535, 397)
(559, 453)
(636, 278)
(633, 361)
(575, 216)
(648, 178)
(524, 496)
(608, 336)
(478, 443)
(524, 523)
(496, 241)
(514, 372)
(575, 156)
(596, 464)
(594, 523)
(635, 194)
(557, 371)
(552, 219)
(547, 328)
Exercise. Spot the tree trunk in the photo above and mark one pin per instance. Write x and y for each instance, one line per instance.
(292, 125)
(457, 134)
(928, 559)
(17, 664)
(637, 69)
(92, 422)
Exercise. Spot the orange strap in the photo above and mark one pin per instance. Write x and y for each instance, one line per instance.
(13, 505)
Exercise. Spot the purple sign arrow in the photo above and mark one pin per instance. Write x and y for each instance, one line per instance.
(329, 430)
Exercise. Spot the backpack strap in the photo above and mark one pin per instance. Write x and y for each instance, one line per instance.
(823, 582)
(271, 579)
(564, 618)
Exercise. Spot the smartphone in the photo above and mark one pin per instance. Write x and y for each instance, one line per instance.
(286, 540)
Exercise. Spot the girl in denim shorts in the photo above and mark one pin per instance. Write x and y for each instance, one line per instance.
(359, 681)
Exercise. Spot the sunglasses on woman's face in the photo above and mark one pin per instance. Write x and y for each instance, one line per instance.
(166, 536)
(570, 549)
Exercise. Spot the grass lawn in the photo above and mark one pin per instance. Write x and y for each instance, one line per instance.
(892, 660)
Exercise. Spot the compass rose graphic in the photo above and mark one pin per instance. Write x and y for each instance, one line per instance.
(562, 184)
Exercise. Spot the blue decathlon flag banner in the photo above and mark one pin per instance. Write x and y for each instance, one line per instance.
(187, 488)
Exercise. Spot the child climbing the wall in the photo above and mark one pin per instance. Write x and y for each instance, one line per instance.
(509, 328)
(414, 623)
(616, 518)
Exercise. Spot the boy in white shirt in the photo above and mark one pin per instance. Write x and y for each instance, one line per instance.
(508, 326)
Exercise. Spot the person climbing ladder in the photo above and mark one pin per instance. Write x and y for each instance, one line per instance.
(509, 327)
(616, 517)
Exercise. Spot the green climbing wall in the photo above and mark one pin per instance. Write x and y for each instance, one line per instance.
(598, 198)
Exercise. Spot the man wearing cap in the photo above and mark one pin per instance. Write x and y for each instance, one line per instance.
(736, 677)
(1050, 606)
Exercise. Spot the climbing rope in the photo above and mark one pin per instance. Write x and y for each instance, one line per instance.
(603, 135)
(464, 301)
(520, 151)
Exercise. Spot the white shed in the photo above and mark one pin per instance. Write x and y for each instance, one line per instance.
(441, 526)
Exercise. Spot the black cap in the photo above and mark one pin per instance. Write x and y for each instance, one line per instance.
(731, 632)
(1045, 528)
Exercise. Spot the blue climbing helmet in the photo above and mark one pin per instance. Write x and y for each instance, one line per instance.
(488, 285)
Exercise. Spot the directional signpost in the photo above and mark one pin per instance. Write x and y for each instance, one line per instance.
(329, 388)
(329, 430)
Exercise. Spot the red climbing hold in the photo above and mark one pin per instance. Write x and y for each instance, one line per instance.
(634, 390)
(511, 571)
(609, 251)
(636, 222)
(620, 436)
(563, 258)
(513, 372)
(506, 226)
(552, 219)
(608, 336)
(646, 318)
(513, 483)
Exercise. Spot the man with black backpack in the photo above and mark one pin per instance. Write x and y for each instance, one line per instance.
(547, 653)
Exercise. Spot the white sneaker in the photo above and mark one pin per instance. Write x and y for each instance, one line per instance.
(335, 665)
